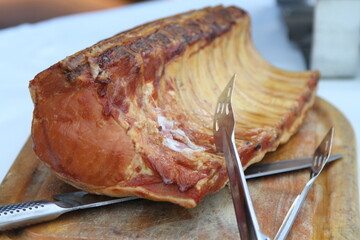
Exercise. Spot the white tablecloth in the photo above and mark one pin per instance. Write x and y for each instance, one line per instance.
(30, 48)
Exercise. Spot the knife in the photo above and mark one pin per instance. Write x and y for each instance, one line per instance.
(27, 213)
(271, 168)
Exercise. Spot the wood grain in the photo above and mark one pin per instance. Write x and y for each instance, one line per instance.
(331, 209)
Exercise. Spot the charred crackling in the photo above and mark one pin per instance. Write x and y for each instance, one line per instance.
(177, 31)
(104, 60)
(190, 31)
(156, 49)
(195, 31)
(257, 147)
(111, 56)
(72, 75)
(141, 46)
(102, 81)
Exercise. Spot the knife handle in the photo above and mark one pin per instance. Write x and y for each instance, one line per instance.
(23, 214)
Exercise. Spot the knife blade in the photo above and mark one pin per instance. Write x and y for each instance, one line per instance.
(271, 168)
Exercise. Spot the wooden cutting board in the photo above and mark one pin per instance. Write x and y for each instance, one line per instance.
(331, 210)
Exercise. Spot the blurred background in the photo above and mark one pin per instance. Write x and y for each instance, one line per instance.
(326, 31)
(15, 12)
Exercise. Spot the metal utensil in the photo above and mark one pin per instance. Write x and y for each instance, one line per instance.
(320, 158)
(27, 213)
(271, 168)
(224, 124)
(65, 200)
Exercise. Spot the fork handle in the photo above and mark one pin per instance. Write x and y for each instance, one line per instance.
(27, 213)
(244, 211)
(293, 212)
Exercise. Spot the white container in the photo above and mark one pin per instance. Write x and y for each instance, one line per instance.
(336, 38)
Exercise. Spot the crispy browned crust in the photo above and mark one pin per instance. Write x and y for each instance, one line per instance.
(132, 115)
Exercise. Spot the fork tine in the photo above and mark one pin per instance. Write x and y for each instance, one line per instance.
(226, 95)
(322, 153)
(224, 115)
(320, 158)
